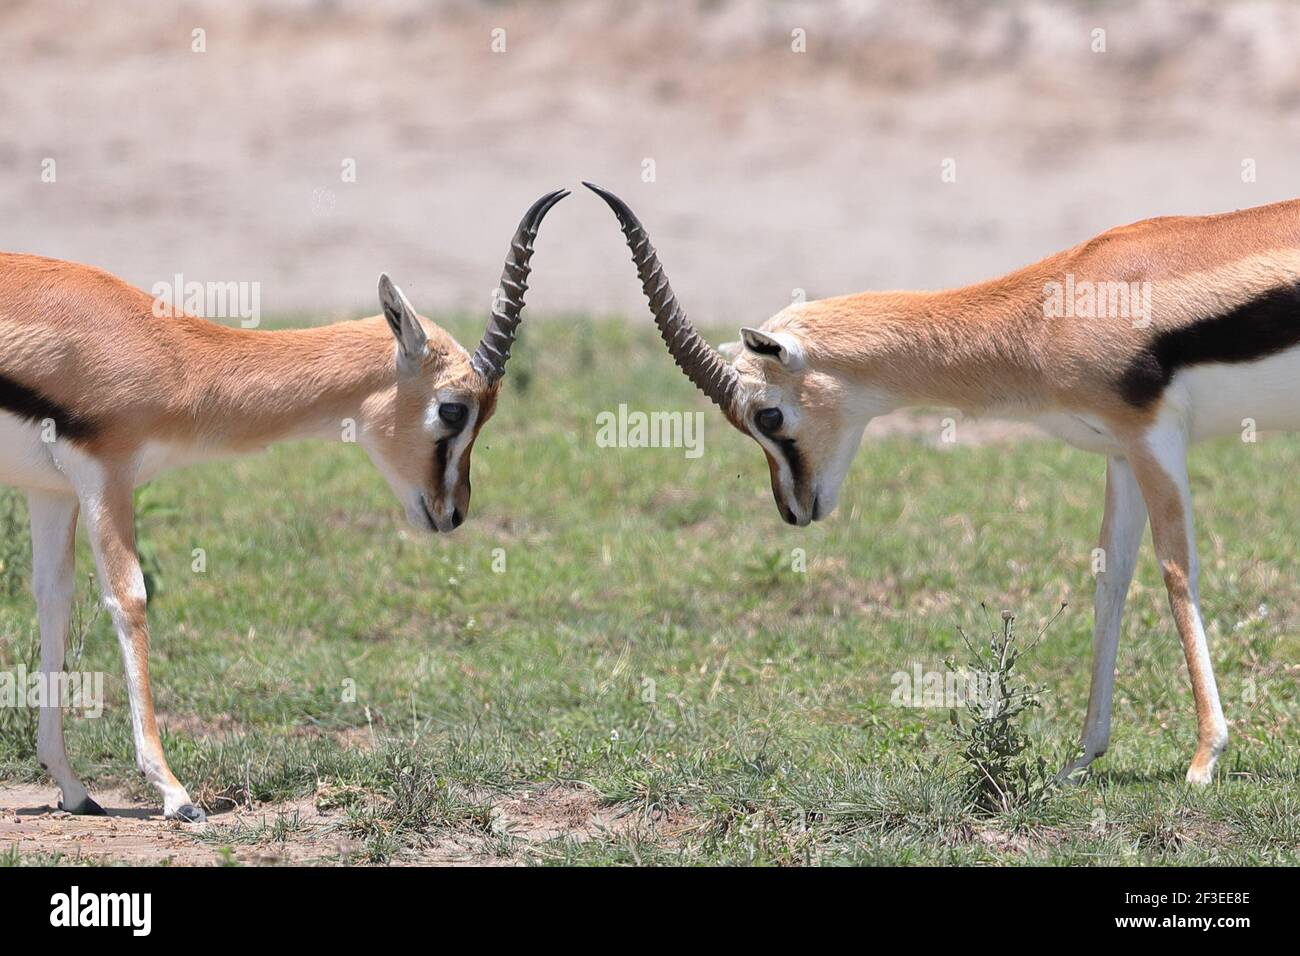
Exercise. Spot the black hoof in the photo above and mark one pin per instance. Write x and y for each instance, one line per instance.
(86, 808)
(190, 813)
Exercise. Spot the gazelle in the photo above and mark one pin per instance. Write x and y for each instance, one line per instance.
(1199, 335)
(100, 393)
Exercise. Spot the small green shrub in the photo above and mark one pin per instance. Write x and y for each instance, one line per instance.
(1003, 773)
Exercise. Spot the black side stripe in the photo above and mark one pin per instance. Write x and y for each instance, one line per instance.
(1264, 326)
(28, 404)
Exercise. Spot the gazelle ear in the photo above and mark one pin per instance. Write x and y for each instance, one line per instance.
(413, 344)
(729, 350)
(782, 346)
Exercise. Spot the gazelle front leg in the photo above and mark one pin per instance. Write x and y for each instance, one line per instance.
(110, 520)
(54, 527)
(1160, 464)
(1122, 525)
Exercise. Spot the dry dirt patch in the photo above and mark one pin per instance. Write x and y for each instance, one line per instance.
(130, 833)
(136, 833)
(556, 812)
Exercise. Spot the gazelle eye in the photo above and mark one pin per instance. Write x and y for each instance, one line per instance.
(452, 413)
(769, 420)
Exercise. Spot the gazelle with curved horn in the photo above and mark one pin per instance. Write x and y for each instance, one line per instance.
(1132, 345)
(100, 391)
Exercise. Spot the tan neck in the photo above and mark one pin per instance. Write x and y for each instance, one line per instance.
(976, 348)
(249, 388)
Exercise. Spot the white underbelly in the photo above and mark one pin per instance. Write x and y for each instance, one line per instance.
(25, 459)
(1214, 400)
(1229, 399)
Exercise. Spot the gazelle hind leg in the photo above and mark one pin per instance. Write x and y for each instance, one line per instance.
(1160, 464)
(54, 526)
(1122, 525)
(106, 499)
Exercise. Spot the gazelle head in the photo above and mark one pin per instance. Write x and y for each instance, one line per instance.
(421, 433)
(805, 414)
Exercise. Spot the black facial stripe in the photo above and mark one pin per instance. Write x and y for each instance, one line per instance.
(34, 407)
(792, 459)
(440, 452)
(1264, 326)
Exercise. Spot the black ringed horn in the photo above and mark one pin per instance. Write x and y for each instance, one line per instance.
(493, 351)
(710, 373)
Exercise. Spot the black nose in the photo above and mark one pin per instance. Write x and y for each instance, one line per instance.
(787, 514)
(457, 519)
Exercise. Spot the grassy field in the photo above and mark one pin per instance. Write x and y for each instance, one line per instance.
(650, 646)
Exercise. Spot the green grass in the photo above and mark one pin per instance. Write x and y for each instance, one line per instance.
(648, 640)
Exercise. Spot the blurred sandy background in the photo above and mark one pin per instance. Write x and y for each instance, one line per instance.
(775, 170)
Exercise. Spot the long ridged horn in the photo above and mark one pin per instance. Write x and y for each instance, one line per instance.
(493, 350)
(711, 374)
